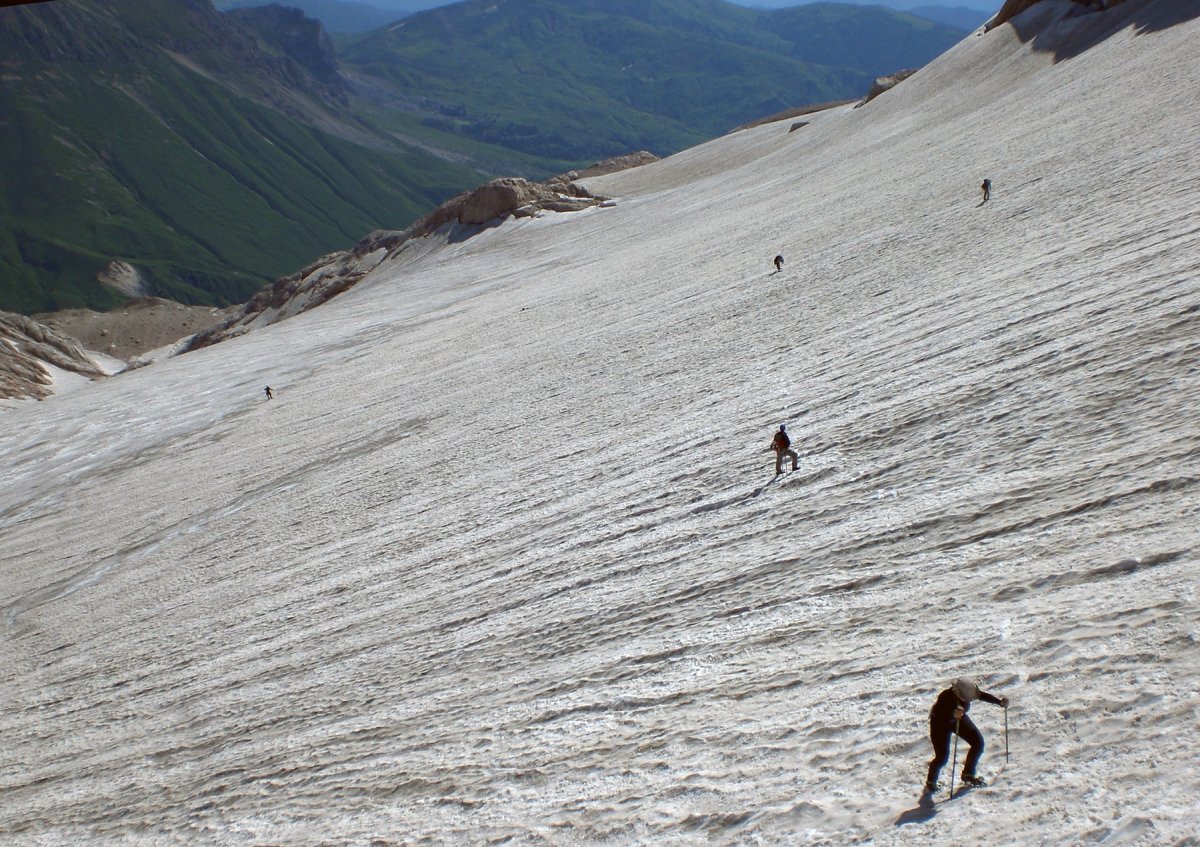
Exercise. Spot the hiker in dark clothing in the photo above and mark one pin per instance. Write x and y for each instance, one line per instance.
(782, 445)
(270, 394)
(949, 716)
(986, 188)
(778, 264)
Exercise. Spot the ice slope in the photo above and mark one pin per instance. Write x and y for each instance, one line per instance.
(503, 561)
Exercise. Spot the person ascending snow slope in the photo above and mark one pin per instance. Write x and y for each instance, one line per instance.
(948, 716)
(778, 264)
(782, 445)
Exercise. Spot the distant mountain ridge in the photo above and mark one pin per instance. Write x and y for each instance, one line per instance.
(298, 37)
(355, 16)
(559, 79)
(345, 16)
(958, 16)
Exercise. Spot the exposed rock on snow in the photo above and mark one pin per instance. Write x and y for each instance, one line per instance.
(794, 113)
(505, 197)
(311, 286)
(610, 166)
(886, 83)
(27, 347)
(334, 273)
(1010, 9)
(497, 198)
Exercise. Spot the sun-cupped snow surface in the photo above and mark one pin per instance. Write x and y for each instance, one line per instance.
(504, 560)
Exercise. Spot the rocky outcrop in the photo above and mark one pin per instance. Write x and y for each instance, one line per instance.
(286, 67)
(794, 113)
(508, 197)
(330, 275)
(499, 198)
(886, 83)
(123, 277)
(302, 39)
(610, 166)
(26, 347)
(309, 287)
(1012, 8)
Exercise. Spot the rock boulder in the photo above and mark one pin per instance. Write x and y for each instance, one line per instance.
(26, 346)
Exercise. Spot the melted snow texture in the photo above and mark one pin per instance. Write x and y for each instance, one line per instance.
(501, 563)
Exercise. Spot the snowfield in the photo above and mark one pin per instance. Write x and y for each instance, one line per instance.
(503, 561)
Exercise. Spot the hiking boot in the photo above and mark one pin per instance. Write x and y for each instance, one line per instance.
(973, 781)
(932, 787)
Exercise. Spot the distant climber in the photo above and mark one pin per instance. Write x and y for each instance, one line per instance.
(985, 188)
(270, 394)
(949, 716)
(778, 264)
(782, 445)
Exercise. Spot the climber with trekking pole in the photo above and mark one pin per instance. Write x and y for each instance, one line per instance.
(949, 717)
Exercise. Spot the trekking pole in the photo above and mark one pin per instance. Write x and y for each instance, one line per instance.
(1006, 735)
(954, 764)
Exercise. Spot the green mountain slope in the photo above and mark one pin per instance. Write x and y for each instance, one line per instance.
(159, 136)
(215, 152)
(598, 77)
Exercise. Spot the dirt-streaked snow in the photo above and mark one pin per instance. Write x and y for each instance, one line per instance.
(501, 563)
